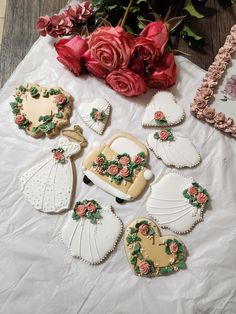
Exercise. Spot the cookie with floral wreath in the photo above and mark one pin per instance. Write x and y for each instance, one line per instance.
(41, 111)
(91, 231)
(149, 253)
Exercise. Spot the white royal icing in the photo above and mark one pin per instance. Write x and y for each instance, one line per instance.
(92, 242)
(86, 108)
(124, 144)
(165, 102)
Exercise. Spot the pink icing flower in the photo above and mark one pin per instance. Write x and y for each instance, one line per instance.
(202, 198)
(138, 160)
(143, 229)
(192, 191)
(80, 210)
(124, 172)
(42, 25)
(164, 135)
(220, 117)
(113, 170)
(124, 160)
(97, 115)
(144, 268)
(209, 114)
(159, 115)
(90, 207)
(174, 247)
(19, 119)
(99, 160)
(230, 87)
(100, 170)
(58, 155)
(60, 99)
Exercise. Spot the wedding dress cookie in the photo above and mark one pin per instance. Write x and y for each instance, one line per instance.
(177, 203)
(162, 111)
(149, 253)
(173, 148)
(92, 231)
(41, 111)
(95, 114)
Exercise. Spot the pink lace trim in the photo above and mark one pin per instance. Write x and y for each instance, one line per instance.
(199, 106)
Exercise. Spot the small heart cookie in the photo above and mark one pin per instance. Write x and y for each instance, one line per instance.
(162, 110)
(40, 111)
(150, 254)
(95, 114)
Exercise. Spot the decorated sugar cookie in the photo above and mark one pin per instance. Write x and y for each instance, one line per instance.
(48, 185)
(95, 114)
(91, 231)
(173, 148)
(119, 167)
(162, 111)
(177, 203)
(41, 111)
(149, 253)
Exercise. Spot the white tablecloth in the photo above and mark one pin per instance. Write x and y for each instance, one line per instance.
(37, 273)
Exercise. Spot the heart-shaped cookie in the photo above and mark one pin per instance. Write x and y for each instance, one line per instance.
(40, 111)
(95, 114)
(162, 110)
(91, 231)
(149, 253)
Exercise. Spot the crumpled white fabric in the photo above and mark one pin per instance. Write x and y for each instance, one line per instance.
(37, 273)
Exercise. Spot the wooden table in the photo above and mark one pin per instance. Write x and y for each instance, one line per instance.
(19, 31)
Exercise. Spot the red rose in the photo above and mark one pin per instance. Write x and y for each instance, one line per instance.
(93, 66)
(159, 115)
(80, 210)
(138, 160)
(146, 49)
(124, 160)
(202, 198)
(165, 73)
(19, 119)
(192, 191)
(163, 135)
(113, 170)
(143, 229)
(137, 66)
(126, 82)
(111, 47)
(99, 160)
(144, 268)
(174, 247)
(42, 25)
(58, 155)
(158, 32)
(80, 13)
(60, 25)
(70, 52)
(124, 172)
(90, 207)
(60, 99)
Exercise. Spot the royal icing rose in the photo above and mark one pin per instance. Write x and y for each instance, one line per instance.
(138, 160)
(19, 119)
(60, 99)
(58, 155)
(144, 268)
(143, 229)
(192, 191)
(124, 172)
(124, 160)
(97, 115)
(163, 135)
(174, 247)
(81, 210)
(90, 207)
(100, 170)
(99, 160)
(113, 170)
(159, 115)
(202, 198)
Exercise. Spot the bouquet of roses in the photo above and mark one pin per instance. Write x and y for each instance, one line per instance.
(128, 63)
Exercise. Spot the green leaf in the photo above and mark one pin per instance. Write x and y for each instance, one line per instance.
(97, 215)
(59, 115)
(136, 269)
(133, 230)
(186, 30)
(129, 240)
(137, 247)
(188, 6)
(151, 231)
(181, 265)
(140, 256)
(133, 261)
(93, 221)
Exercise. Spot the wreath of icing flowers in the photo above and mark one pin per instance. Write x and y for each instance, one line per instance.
(89, 209)
(144, 265)
(164, 135)
(47, 123)
(58, 155)
(196, 195)
(160, 118)
(120, 168)
(97, 115)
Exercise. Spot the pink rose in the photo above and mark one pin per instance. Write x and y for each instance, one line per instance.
(98, 115)
(70, 52)
(209, 114)
(143, 229)
(60, 25)
(60, 99)
(137, 66)
(42, 24)
(111, 47)
(19, 119)
(192, 191)
(138, 160)
(100, 170)
(124, 160)
(58, 155)
(230, 87)
(113, 170)
(99, 160)
(93, 66)
(163, 135)
(124, 172)
(202, 198)
(144, 268)
(158, 32)
(220, 117)
(159, 115)
(90, 207)
(80, 210)
(165, 73)
(174, 247)
(80, 13)
(126, 82)
(146, 49)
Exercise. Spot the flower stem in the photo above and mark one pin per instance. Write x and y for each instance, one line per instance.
(126, 14)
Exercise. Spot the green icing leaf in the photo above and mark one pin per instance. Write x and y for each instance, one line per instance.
(59, 115)
(129, 240)
(133, 230)
(97, 215)
(22, 88)
(133, 261)
(140, 256)
(181, 264)
(137, 247)
(151, 231)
